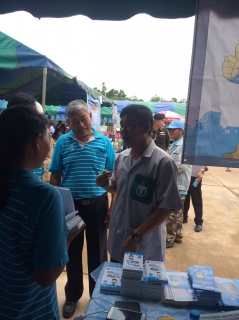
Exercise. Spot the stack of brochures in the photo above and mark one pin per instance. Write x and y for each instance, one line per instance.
(202, 280)
(73, 221)
(155, 272)
(133, 265)
(130, 287)
(111, 281)
(178, 292)
(132, 274)
(150, 290)
(229, 293)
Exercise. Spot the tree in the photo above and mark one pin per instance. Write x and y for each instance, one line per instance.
(174, 100)
(103, 88)
(134, 98)
(112, 94)
(122, 95)
(183, 101)
(95, 88)
(156, 98)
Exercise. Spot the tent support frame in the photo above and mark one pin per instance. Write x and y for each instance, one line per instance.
(44, 88)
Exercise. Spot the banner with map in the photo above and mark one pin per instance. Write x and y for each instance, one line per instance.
(212, 121)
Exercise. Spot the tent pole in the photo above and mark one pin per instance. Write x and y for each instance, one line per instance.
(44, 88)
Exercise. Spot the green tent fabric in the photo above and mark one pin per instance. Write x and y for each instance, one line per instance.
(106, 111)
(180, 108)
(21, 69)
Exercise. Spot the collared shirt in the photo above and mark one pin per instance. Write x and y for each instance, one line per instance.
(81, 164)
(156, 166)
(39, 172)
(161, 138)
(195, 170)
(175, 143)
(184, 170)
(33, 235)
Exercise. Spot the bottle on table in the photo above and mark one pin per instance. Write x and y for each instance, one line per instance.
(194, 315)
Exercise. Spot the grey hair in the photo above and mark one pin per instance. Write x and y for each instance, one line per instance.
(76, 105)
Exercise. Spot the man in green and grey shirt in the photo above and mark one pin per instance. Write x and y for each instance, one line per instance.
(145, 180)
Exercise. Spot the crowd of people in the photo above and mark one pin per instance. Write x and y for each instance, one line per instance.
(58, 129)
(150, 189)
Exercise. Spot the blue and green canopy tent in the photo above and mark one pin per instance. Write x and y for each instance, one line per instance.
(60, 110)
(153, 106)
(50, 110)
(21, 69)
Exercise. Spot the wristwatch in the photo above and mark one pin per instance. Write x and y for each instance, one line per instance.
(203, 170)
(137, 238)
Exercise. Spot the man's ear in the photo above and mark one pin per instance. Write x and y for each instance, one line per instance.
(147, 127)
(67, 121)
(37, 142)
(90, 114)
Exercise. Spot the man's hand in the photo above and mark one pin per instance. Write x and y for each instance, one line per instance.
(199, 175)
(103, 179)
(129, 245)
(230, 66)
(72, 235)
(108, 216)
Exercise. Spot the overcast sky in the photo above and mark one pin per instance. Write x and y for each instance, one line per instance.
(143, 56)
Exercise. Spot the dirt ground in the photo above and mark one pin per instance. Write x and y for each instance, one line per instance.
(216, 245)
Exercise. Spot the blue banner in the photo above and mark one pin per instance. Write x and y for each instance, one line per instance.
(212, 121)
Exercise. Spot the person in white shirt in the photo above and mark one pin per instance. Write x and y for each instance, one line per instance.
(175, 220)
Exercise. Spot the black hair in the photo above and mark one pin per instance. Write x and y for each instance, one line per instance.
(21, 99)
(142, 113)
(18, 126)
(55, 134)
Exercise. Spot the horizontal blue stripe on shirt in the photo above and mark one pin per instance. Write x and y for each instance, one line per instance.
(33, 235)
(80, 166)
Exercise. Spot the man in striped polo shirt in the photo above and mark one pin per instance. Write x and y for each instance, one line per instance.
(81, 155)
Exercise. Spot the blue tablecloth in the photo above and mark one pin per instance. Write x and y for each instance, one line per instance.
(152, 308)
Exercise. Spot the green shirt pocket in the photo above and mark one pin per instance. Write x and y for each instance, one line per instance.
(142, 189)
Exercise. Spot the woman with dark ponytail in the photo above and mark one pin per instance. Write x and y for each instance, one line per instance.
(33, 233)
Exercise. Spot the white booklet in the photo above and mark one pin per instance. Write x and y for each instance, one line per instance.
(73, 221)
(155, 271)
(180, 286)
(133, 261)
(111, 280)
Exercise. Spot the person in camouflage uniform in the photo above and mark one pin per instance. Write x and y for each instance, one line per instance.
(174, 226)
(175, 220)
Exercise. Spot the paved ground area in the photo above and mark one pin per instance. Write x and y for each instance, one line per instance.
(218, 243)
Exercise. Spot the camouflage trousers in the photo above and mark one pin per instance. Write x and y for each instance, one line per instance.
(174, 223)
